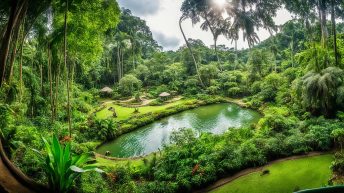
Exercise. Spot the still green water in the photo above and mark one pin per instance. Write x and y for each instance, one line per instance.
(215, 119)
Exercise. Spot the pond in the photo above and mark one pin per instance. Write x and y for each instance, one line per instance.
(216, 118)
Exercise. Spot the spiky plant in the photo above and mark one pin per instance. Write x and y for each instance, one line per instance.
(62, 167)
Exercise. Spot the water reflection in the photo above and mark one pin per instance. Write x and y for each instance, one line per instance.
(215, 119)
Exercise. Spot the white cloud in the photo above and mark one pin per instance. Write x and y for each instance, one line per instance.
(167, 42)
(141, 7)
(163, 21)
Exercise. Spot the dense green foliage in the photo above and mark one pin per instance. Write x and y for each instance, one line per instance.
(193, 162)
(55, 55)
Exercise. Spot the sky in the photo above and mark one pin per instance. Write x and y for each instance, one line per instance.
(162, 16)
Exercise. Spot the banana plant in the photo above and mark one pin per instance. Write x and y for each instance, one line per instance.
(61, 167)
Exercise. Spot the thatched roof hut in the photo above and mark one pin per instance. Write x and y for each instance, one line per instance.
(106, 90)
(165, 94)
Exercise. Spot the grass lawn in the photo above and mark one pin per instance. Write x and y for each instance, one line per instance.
(135, 164)
(124, 113)
(284, 177)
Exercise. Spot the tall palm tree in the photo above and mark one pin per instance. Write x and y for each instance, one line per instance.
(190, 50)
(336, 9)
(210, 13)
(191, 9)
(217, 25)
(19, 10)
(259, 15)
(68, 70)
(122, 43)
(233, 34)
(274, 51)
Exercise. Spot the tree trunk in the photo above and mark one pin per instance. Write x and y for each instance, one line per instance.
(236, 53)
(121, 59)
(51, 85)
(72, 82)
(2, 32)
(334, 31)
(16, 10)
(21, 66)
(14, 54)
(114, 68)
(214, 37)
(72, 79)
(323, 20)
(292, 50)
(275, 63)
(118, 64)
(41, 77)
(324, 28)
(215, 44)
(56, 101)
(122, 63)
(68, 71)
(190, 50)
(133, 55)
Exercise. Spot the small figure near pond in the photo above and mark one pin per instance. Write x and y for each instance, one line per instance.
(137, 97)
(114, 111)
(136, 110)
(107, 153)
(265, 172)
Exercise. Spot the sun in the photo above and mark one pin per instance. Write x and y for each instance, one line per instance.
(220, 3)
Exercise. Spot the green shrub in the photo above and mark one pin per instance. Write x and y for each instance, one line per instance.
(103, 129)
(234, 92)
(93, 182)
(273, 147)
(251, 155)
(270, 86)
(277, 122)
(129, 84)
(229, 159)
(338, 163)
(159, 187)
(320, 137)
(296, 144)
(156, 102)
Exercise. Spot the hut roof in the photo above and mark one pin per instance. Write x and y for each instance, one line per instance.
(106, 89)
(164, 94)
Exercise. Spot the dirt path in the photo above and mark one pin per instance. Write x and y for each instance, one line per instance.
(144, 102)
(229, 179)
(176, 98)
(237, 101)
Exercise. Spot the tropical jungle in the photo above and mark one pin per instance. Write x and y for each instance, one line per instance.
(94, 97)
